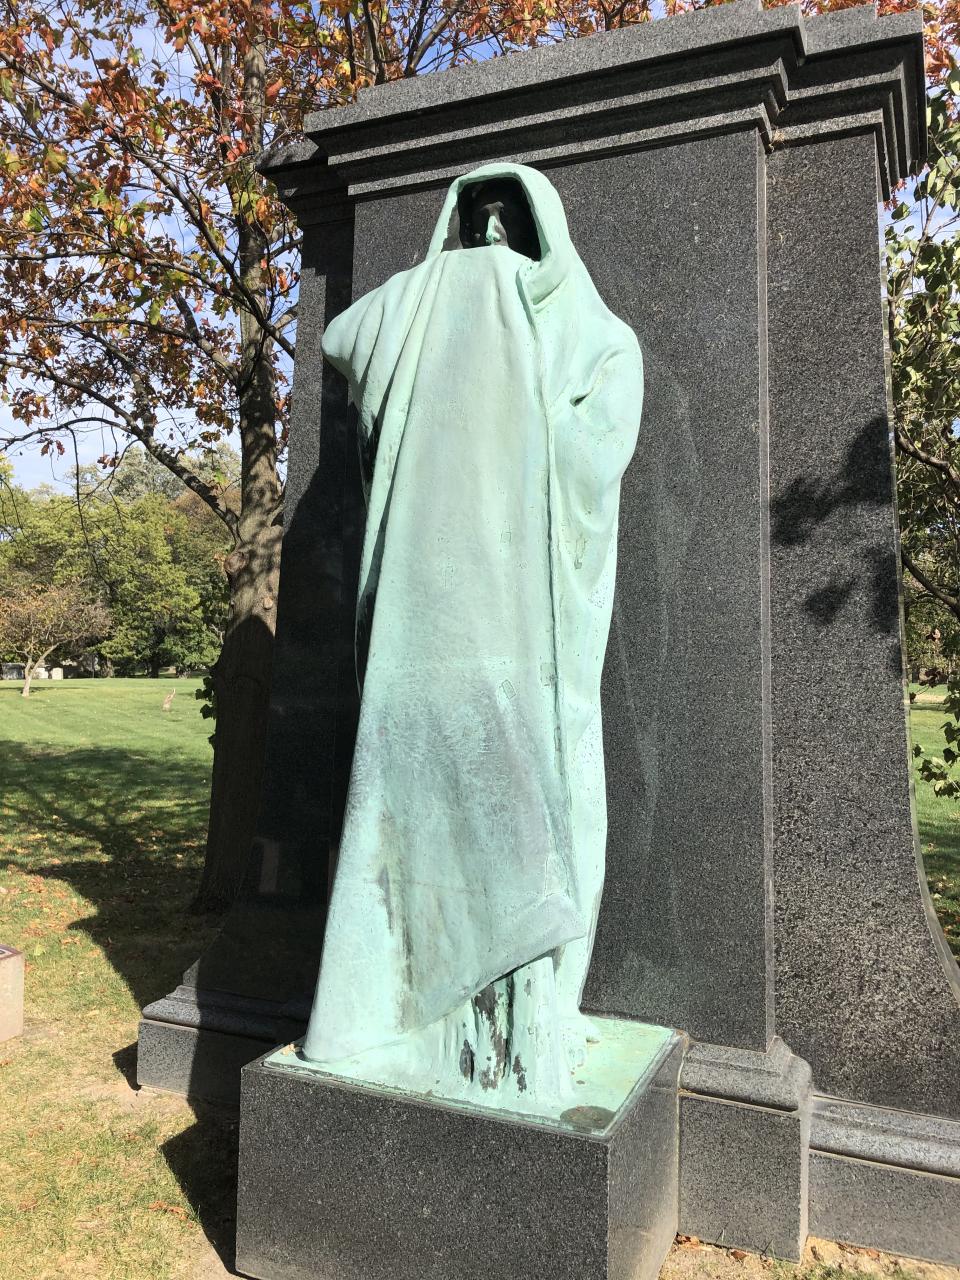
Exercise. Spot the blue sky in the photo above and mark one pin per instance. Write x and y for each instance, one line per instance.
(31, 469)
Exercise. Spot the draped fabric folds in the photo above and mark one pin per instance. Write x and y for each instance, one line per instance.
(498, 405)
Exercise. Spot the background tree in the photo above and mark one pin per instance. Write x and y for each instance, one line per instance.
(923, 301)
(923, 275)
(168, 609)
(153, 563)
(38, 620)
(148, 277)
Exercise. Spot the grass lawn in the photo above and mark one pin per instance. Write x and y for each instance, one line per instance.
(938, 820)
(102, 811)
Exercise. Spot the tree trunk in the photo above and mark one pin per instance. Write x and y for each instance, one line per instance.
(241, 675)
(29, 667)
(241, 680)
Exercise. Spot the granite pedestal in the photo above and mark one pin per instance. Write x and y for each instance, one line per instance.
(744, 1143)
(752, 899)
(11, 993)
(344, 1182)
(886, 1179)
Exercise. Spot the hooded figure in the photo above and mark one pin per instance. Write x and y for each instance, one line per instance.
(499, 404)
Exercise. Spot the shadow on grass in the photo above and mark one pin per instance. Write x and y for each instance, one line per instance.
(126, 832)
(125, 1060)
(203, 1159)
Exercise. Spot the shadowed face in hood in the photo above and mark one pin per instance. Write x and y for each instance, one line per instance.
(497, 212)
(500, 201)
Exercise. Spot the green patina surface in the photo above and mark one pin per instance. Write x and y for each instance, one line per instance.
(498, 406)
(624, 1057)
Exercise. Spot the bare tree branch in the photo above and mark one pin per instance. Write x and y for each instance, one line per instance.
(951, 602)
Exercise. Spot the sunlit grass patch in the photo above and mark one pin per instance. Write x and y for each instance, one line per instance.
(102, 812)
(938, 822)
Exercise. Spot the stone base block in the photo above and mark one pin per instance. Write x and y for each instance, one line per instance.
(886, 1179)
(346, 1182)
(880, 1206)
(193, 1061)
(743, 1180)
(195, 1041)
(11, 993)
(744, 1146)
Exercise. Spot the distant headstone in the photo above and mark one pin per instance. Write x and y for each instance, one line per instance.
(56, 673)
(11, 993)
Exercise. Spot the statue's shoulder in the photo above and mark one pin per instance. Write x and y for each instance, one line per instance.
(608, 329)
(622, 337)
(401, 281)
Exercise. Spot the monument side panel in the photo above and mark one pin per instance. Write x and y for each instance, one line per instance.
(865, 988)
(673, 239)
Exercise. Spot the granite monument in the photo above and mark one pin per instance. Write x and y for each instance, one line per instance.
(751, 902)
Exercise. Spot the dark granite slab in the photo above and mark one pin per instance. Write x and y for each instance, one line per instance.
(743, 1175)
(885, 1179)
(867, 991)
(776, 1078)
(744, 1143)
(198, 1063)
(883, 1206)
(339, 1182)
(683, 682)
(699, 74)
(930, 1144)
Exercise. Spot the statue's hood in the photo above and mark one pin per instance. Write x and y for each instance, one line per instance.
(558, 256)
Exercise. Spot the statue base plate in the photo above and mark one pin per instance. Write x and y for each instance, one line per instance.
(342, 1181)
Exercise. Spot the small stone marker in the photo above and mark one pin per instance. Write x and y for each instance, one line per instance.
(11, 993)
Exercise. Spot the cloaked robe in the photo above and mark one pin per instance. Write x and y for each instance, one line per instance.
(498, 405)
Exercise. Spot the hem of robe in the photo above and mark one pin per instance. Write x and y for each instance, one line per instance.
(351, 1044)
